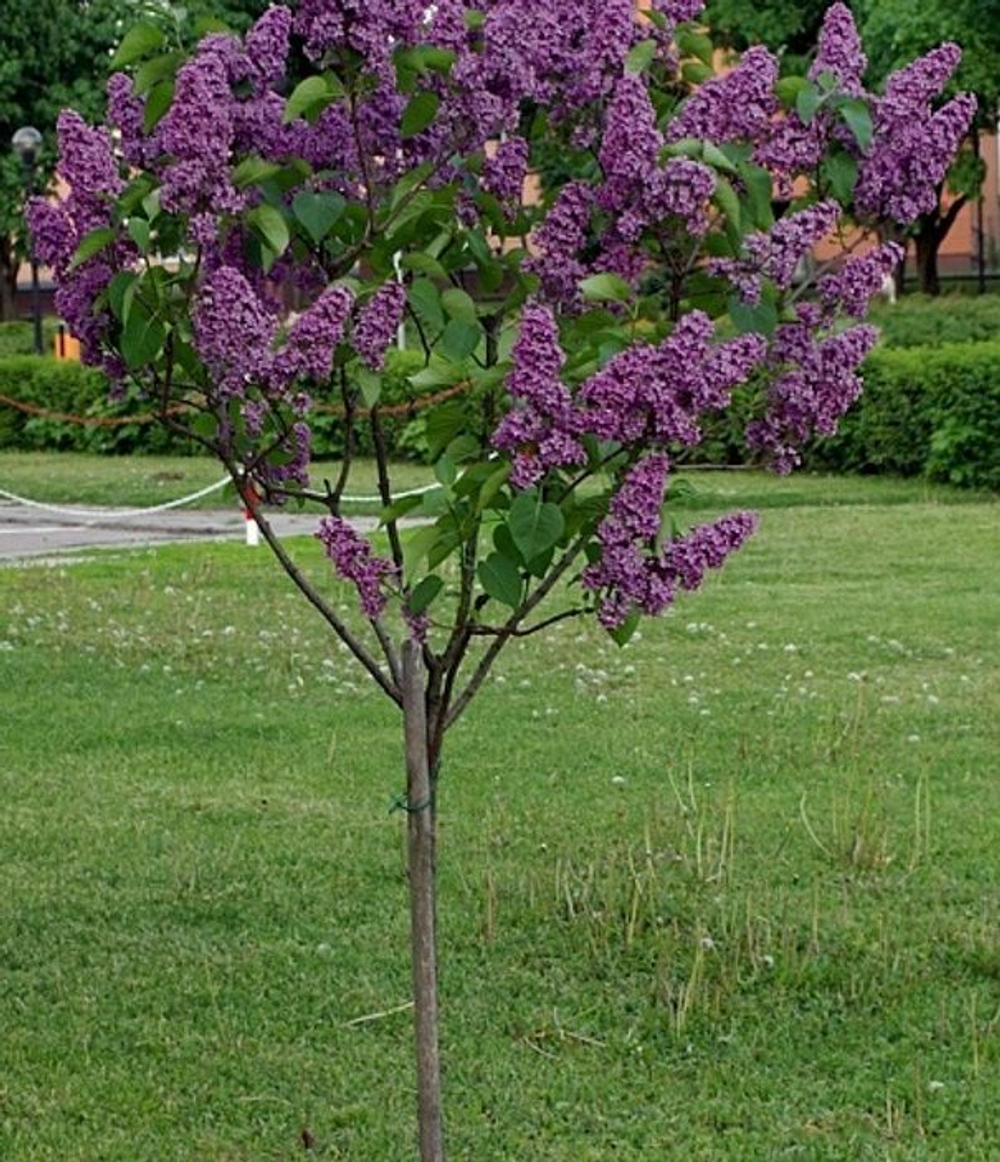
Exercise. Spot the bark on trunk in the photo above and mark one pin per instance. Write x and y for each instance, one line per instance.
(928, 244)
(8, 282)
(421, 827)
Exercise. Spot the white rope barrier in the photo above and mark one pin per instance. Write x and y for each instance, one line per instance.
(103, 514)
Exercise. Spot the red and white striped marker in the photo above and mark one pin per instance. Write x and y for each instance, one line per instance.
(253, 529)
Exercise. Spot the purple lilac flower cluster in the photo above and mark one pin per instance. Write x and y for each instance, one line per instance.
(504, 172)
(736, 107)
(378, 323)
(89, 168)
(354, 561)
(660, 392)
(636, 189)
(633, 573)
(542, 430)
(857, 282)
(914, 144)
(817, 382)
(839, 51)
(777, 253)
(558, 243)
(233, 333)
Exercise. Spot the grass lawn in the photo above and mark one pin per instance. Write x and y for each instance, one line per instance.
(729, 893)
(78, 478)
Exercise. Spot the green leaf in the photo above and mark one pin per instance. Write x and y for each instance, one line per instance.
(859, 120)
(787, 90)
(253, 170)
(158, 69)
(399, 508)
(641, 56)
(318, 212)
(120, 294)
(726, 199)
(138, 231)
(604, 287)
(142, 338)
(417, 545)
(459, 340)
(462, 448)
(269, 224)
(445, 471)
(623, 633)
(157, 103)
(442, 425)
(93, 243)
(423, 263)
(419, 113)
(492, 486)
(310, 97)
(696, 44)
(151, 205)
(808, 101)
(759, 190)
(840, 171)
(370, 383)
(760, 318)
(459, 305)
(696, 72)
(425, 299)
(138, 42)
(424, 593)
(474, 19)
(535, 525)
(501, 579)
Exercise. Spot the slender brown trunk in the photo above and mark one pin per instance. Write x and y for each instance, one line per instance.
(8, 281)
(928, 242)
(421, 818)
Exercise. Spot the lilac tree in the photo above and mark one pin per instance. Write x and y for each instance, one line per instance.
(387, 184)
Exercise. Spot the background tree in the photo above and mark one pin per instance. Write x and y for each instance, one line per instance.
(390, 181)
(894, 32)
(56, 54)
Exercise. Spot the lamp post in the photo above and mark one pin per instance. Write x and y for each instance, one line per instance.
(27, 141)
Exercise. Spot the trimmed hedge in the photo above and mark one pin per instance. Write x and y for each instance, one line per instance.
(18, 338)
(77, 390)
(920, 321)
(930, 411)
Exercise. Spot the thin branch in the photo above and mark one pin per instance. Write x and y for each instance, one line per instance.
(350, 399)
(314, 598)
(385, 487)
(496, 631)
(509, 629)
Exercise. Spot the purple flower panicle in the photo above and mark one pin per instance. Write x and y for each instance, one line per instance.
(354, 561)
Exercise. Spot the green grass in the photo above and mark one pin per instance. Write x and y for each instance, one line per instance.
(77, 478)
(726, 894)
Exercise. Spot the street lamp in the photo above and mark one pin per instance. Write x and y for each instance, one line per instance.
(27, 141)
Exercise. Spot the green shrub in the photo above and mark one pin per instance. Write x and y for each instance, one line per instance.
(68, 386)
(74, 389)
(920, 321)
(18, 338)
(925, 411)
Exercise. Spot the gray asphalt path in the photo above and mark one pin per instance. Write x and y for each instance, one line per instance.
(28, 532)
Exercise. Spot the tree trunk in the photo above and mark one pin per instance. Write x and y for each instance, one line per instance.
(8, 281)
(421, 826)
(928, 243)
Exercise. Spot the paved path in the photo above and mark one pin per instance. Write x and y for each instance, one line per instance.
(27, 532)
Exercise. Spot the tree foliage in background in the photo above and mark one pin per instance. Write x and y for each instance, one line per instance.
(56, 54)
(389, 182)
(894, 32)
